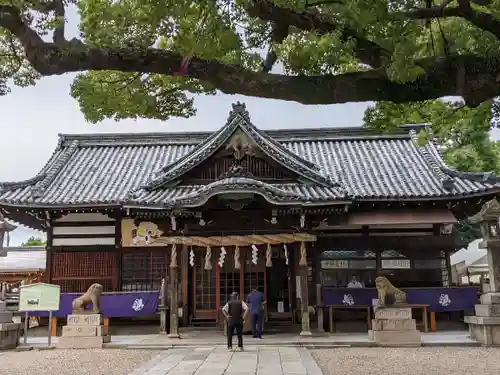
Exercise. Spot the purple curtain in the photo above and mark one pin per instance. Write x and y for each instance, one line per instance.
(117, 305)
(438, 299)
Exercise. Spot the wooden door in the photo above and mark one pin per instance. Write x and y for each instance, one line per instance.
(204, 286)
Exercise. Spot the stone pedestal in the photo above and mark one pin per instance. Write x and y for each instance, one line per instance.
(84, 331)
(394, 326)
(9, 331)
(484, 327)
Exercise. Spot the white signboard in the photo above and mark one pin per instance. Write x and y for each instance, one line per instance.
(39, 297)
(335, 264)
(396, 263)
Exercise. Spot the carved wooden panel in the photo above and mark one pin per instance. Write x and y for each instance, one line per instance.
(248, 166)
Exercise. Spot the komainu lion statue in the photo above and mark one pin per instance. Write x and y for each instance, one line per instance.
(93, 294)
(388, 294)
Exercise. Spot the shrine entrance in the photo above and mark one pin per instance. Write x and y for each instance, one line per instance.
(278, 289)
(218, 271)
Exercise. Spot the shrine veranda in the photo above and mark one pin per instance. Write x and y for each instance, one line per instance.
(293, 213)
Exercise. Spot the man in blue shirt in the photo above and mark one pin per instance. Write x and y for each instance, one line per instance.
(256, 301)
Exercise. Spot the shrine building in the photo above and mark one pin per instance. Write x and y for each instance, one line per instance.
(295, 213)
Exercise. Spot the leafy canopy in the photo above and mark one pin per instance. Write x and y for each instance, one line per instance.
(34, 241)
(463, 132)
(138, 58)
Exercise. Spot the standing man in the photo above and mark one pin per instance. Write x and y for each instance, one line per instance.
(235, 312)
(256, 301)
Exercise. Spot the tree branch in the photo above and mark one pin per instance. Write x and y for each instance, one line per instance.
(483, 21)
(367, 51)
(474, 78)
(278, 35)
(60, 15)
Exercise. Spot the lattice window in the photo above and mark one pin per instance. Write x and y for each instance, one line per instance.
(254, 280)
(229, 283)
(392, 254)
(344, 254)
(143, 270)
(255, 274)
(204, 282)
(81, 286)
(76, 271)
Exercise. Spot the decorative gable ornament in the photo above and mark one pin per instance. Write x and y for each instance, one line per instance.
(243, 138)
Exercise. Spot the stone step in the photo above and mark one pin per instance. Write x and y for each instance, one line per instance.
(82, 342)
(397, 338)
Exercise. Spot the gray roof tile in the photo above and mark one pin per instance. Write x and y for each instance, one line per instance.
(116, 168)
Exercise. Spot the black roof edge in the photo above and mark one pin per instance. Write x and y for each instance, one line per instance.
(288, 134)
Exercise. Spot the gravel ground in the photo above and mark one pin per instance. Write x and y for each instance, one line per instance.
(414, 361)
(73, 362)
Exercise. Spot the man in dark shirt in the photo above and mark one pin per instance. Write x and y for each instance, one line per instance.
(256, 301)
(235, 312)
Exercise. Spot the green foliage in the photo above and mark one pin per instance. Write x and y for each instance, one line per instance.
(223, 30)
(463, 131)
(34, 241)
(465, 232)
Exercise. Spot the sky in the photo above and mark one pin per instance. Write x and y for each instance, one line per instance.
(33, 117)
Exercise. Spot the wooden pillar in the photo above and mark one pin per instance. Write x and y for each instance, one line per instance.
(174, 287)
(117, 280)
(54, 327)
(292, 264)
(304, 292)
(162, 307)
(319, 290)
(48, 265)
(242, 257)
(448, 266)
(217, 287)
(184, 284)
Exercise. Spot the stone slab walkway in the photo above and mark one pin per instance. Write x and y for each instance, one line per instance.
(218, 361)
(195, 338)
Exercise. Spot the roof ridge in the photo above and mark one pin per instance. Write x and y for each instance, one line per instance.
(39, 188)
(446, 180)
(41, 175)
(488, 176)
(13, 185)
(278, 135)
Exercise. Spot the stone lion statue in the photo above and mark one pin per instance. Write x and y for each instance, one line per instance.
(388, 294)
(93, 294)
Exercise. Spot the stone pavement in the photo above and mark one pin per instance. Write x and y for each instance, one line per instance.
(194, 338)
(217, 361)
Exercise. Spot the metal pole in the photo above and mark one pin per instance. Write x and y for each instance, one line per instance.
(50, 329)
(26, 321)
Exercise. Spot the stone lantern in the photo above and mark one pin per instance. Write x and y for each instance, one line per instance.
(488, 219)
(485, 325)
(5, 229)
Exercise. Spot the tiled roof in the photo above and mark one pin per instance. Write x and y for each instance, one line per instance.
(23, 259)
(239, 119)
(337, 164)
